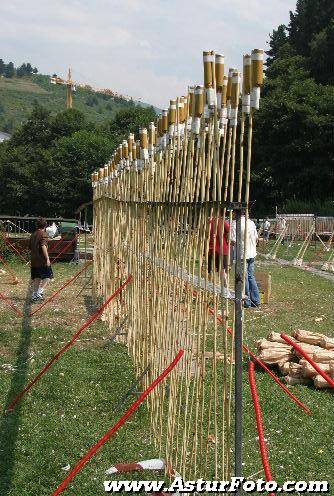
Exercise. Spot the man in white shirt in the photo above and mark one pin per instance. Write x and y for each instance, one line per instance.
(251, 287)
(266, 230)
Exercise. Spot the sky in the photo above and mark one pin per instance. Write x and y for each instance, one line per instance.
(148, 49)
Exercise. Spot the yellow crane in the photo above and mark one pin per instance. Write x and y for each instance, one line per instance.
(70, 86)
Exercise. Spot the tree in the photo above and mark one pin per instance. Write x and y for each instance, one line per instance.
(311, 17)
(278, 39)
(2, 67)
(129, 120)
(322, 55)
(9, 70)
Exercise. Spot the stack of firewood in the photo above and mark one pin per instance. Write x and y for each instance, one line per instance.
(297, 370)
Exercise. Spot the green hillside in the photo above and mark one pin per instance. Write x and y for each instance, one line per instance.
(18, 96)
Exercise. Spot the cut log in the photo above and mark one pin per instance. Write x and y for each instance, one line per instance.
(323, 356)
(327, 343)
(284, 367)
(331, 369)
(275, 356)
(309, 371)
(295, 370)
(309, 348)
(275, 337)
(264, 344)
(293, 381)
(308, 337)
(320, 382)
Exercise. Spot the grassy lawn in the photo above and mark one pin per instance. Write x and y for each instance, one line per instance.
(315, 253)
(72, 405)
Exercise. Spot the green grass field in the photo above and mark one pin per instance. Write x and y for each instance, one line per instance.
(72, 405)
(19, 95)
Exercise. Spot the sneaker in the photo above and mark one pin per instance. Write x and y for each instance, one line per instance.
(40, 297)
(34, 298)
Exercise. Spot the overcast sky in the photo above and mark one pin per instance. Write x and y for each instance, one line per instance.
(149, 49)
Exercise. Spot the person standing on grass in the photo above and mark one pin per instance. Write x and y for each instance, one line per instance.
(266, 230)
(218, 246)
(251, 288)
(41, 270)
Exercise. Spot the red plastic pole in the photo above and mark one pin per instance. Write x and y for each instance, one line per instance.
(65, 248)
(11, 304)
(63, 287)
(258, 416)
(68, 344)
(116, 426)
(308, 358)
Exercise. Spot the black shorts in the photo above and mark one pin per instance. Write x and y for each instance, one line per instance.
(214, 259)
(41, 272)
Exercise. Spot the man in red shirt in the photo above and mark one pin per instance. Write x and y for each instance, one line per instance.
(218, 245)
(41, 270)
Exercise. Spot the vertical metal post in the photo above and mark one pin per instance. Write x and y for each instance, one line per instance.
(238, 347)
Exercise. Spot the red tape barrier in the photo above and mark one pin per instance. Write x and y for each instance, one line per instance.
(262, 364)
(63, 287)
(118, 424)
(10, 270)
(258, 416)
(267, 369)
(308, 358)
(11, 305)
(8, 243)
(68, 344)
(65, 248)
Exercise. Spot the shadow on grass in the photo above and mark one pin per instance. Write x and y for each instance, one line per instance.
(9, 423)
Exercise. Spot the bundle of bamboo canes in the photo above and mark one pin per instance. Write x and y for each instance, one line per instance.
(274, 350)
(158, 204)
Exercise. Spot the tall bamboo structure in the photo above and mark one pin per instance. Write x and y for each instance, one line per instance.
(155, 203)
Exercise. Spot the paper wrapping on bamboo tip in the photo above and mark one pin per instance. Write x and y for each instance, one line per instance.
(164, 121)
(180, 109)
(247, 67)
(134, 151)
(257, 67)
(199, 101)
(208, 61)
(151, 134)
(130, 141)
(231, 71)
(224, 92)
(184, 100)
(308, 337)
(192, 101)
(101, 172)
(219, 71)
(125, 150)
(172, 112)
(235, 90)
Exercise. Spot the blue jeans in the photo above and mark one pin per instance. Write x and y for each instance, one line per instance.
(251, 288)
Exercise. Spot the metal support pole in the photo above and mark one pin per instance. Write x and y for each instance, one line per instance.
(238, 347)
